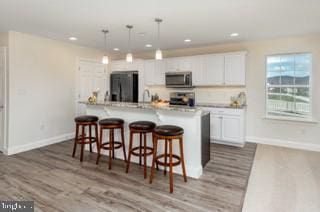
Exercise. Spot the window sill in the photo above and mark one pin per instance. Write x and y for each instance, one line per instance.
(310, 121)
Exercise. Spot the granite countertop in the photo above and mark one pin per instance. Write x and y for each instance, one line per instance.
(169, 108)
(141, 105)
(219, 105)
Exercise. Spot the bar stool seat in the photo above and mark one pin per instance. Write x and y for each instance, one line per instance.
(142, 125)
(141, 128)
(111, 121)
(168, 130)
(168, 133)
(86, 118)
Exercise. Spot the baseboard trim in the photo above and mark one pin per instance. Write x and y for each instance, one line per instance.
(34, 145)
(283, 143)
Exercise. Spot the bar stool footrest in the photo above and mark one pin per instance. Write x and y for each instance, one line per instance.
(91, 140)
(106, 145)
(175, 163)
(136, 151)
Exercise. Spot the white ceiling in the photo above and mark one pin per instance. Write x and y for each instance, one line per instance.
(203, 21)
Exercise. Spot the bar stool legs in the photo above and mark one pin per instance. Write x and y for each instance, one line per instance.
(111, 124)
(154, 158)
(141, 128)
(123, 145)
(75, 141)
(81, 138)
(168, 133)
(142, 151)
(182, 160)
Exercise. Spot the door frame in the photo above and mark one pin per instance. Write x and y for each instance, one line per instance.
(4, 145)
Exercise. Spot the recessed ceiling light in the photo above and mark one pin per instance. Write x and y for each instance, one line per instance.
(148, 45)
(116, 49)
(73, 38)
(234, 34)
(187, 40)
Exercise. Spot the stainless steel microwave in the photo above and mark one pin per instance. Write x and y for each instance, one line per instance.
(178, 79)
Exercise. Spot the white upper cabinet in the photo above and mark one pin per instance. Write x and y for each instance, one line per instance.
(154, 72)
(122, 65)
(214, 68)
(235, 68)
(179, 64)
(209, 71)
(149, 70)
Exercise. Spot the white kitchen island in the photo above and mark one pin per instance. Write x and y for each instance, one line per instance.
(194, 121)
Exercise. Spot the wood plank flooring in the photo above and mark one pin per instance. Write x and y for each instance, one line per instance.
(58, 182)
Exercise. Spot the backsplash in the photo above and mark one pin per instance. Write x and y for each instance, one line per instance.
(203, 94)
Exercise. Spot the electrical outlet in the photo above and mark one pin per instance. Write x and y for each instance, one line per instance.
(42, 127)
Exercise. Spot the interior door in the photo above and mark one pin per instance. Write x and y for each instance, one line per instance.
(91, 77)
(2, 96)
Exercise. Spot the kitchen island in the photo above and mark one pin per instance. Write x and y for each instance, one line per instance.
(194, 121)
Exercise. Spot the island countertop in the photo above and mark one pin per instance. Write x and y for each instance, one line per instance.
(142, 105)
(147, 105)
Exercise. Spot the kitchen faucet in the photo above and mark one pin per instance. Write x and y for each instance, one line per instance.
(106, 95)
(146, 90)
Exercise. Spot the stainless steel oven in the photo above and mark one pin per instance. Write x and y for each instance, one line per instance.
(178, 79)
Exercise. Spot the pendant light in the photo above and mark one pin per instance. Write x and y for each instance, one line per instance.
(158, 52)
(105, 58)
(129, 57)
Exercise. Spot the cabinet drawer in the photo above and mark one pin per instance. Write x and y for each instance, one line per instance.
(224, 111)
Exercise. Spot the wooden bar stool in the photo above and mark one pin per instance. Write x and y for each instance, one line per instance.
(168, 133)
(83, 122)
(111, 124)
(141, 128)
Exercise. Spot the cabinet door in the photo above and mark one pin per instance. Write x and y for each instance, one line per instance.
(198, 71)
(172, 65)
(149, 72)
(159, 72)
(214, 70)
(231, 128)
(215, 126)
(185, 64)
(235, 69)
(118, 65)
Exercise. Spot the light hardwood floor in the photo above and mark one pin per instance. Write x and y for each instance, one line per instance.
(284, 180)
(58, 182)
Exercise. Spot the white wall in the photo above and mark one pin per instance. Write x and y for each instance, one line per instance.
(295, 134)
(42, 89)
(4, 39)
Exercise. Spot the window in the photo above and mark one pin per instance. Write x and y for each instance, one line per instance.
(288, 90)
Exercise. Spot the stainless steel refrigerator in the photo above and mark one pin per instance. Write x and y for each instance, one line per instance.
(124, 86)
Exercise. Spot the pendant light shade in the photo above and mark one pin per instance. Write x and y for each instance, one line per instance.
(158, 52)
(105, 58)
(129, 57)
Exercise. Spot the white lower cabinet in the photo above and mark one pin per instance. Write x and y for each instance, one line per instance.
(227, 125)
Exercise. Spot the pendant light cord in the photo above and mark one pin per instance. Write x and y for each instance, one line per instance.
(105, 41)
(129, 41)
(158, 35)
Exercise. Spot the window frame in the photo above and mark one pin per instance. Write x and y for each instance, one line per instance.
(308, 118)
